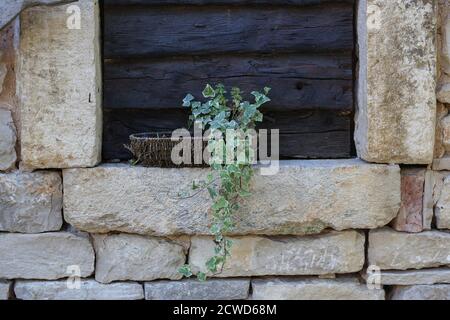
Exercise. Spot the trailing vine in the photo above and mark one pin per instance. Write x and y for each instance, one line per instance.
(228, 182)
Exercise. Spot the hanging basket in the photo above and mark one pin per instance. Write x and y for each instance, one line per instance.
(154, 149)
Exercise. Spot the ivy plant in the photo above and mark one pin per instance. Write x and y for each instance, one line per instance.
(228, 182)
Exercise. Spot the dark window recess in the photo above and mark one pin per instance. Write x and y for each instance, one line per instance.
(157, 51)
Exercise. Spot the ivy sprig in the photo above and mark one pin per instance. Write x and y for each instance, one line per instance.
(217, 114)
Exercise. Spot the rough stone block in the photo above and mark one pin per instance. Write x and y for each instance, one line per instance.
(11, 8)
(313, 289)
(8, 141)
(389, 249)
(192, 289)
(442, 208)
(304, 197)
(5, 289)
(396, 99)
(30, 202)
(334, 252)
(132, 257)
(413, 277)
(46, 256)
(409, 218)
(59, 88)
(89, 290)
(421, 292)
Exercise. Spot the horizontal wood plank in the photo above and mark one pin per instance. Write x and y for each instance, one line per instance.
(144, 31)
(222, 2)
(303, 134)
(297, 81)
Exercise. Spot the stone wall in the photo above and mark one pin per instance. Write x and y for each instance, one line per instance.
(369, 228)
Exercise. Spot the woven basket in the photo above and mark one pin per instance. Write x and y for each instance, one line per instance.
(154, 149)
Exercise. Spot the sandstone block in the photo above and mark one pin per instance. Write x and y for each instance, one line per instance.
(396, 99)
(409, 218)
(132, 257)
(192, 289)
(414, 277)
(313, 289)
(304, 197)
(8, 141)
(30, 202)
(59, 88)
(335, 252)
(5, 289)
(11, 8)
(89, 290)
(45, 256)
(389, 249)
(422, 292)
(442, 208)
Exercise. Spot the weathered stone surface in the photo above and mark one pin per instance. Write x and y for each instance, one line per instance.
(413, 277)
(192, 289)
(389, 249)
(5, 289)
(313, 289)
(44, 256)
(303, 197)
(428, 199)
(396, 105)
(30, 202)
(409, 218)
(132, 257)
(422, 292)
(442, 209)
(3, 71)
(59, 88)
(443, 89)
(8, 141)
(441, 114)
(445, 126)
(334, 252)
(11, 8)
(89, 290)
(444, 32)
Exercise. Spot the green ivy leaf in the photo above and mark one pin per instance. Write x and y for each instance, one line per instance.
(185, 271)
(187, 100)
(201, 276)
(209, 92)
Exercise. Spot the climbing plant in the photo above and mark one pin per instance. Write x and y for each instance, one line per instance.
(229, 181)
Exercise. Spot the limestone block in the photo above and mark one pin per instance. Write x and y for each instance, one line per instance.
(133, 257)
(30, 202)
(5, 289)
(304, 197)
(396, 89)
(11, 8)
(413, 277)
(88, 290)
(192, 289)
(7, 141)
(392, 250)
(421, 292)
(46, 256)
(313, 289)
(59, 88)
(335, 252)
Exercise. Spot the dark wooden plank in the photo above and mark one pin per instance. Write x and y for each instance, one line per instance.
(222, 2)
(297, 81)
(144, 31)
(307, 134)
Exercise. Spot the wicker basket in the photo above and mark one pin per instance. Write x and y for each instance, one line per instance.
(154, 149)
